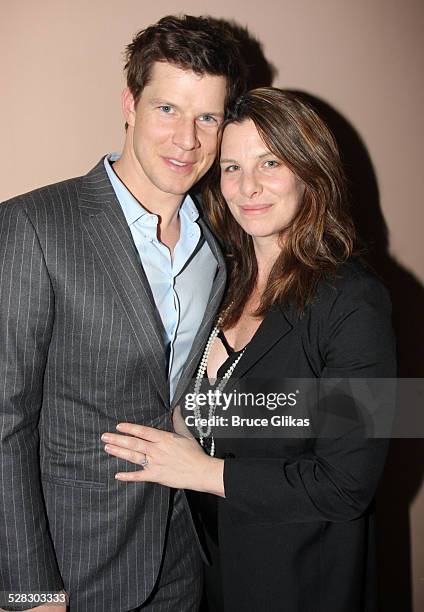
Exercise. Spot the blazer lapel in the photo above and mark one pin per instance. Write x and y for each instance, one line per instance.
(115, 251)
(276, 324)
(215, 298)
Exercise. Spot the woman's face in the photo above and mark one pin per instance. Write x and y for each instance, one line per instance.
(262, 193)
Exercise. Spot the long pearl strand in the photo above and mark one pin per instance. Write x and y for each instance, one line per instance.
(205, 433)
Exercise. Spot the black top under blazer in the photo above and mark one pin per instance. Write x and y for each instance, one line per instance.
(296, 527)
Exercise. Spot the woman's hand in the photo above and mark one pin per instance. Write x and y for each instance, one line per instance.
(173, 459)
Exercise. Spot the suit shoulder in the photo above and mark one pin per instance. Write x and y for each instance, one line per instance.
(44, 198)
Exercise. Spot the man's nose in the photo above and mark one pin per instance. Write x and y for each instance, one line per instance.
(185, 135)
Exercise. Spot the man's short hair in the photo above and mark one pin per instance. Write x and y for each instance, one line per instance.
(203, 45)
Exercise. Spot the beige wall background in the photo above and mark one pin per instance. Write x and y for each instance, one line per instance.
(61, 78)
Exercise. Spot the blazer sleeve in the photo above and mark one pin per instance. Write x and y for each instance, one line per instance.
(338, 479)
(27, 558)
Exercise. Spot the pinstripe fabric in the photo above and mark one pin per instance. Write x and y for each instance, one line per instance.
(178, 588)
(80, 349)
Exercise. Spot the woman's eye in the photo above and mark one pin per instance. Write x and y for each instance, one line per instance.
(271, 163)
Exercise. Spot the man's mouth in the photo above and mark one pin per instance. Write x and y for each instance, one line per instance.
(178, 165)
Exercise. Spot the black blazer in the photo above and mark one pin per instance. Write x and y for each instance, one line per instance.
(296, 528)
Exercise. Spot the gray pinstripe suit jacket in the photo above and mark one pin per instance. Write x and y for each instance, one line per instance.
(80, 349)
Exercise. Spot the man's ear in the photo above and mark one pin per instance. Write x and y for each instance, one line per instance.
(128, 107)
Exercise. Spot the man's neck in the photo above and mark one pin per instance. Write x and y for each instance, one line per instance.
(169, 234)
(165, 206)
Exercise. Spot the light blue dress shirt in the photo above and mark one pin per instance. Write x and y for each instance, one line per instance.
(180, 285)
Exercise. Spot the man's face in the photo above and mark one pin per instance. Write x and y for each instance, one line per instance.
(172, 133)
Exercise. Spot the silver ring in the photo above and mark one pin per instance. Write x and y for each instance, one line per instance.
(145, 461)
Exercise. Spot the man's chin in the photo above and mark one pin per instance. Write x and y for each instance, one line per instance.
(179, 188)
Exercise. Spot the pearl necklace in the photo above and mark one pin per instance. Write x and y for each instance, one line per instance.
(206, 432)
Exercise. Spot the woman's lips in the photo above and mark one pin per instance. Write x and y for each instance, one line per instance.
(255, 209)
(178, 166)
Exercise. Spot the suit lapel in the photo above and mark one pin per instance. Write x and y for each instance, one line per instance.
(276, 324)
(114, 249)
(215, 298)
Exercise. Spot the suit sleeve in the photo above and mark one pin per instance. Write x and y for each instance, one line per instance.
(27, 557)
(337, 480)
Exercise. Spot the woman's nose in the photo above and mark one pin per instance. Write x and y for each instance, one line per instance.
(250, 185)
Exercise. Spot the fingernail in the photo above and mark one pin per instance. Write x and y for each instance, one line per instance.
(107, 447)
(118, 426)
(105, 438)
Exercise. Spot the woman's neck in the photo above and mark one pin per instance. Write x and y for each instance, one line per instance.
(267, 251)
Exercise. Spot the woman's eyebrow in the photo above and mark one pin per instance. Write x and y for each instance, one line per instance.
(259, 156)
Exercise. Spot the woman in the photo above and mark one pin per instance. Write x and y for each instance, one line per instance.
(289, 524)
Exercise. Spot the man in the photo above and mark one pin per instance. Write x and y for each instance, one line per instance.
(108, 285)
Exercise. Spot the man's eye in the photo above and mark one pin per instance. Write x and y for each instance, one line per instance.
(166, 108)
(232, 168)
(271, 163)
(207, 119)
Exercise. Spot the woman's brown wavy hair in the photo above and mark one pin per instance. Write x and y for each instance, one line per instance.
(320, 237)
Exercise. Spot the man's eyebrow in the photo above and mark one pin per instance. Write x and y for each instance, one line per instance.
(227, 161)
(163, 101)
